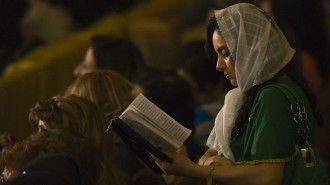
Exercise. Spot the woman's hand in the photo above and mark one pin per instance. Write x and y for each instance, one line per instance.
(209, 153)
(211, 156)
(217, 159)
(181, 164)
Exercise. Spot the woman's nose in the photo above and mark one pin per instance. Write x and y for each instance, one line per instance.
(220, 64)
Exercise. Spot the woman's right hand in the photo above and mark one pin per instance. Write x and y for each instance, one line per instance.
(181, 164)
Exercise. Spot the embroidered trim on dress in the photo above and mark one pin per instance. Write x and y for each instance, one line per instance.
(270, 160)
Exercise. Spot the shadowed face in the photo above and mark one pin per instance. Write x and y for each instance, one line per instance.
(225, 62)
(87, 65)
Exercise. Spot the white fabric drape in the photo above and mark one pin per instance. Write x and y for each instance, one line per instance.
(224, 124)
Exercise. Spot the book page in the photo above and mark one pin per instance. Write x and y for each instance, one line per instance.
(158, 119)
(152, 135)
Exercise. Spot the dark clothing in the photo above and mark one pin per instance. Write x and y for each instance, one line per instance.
(53, 169)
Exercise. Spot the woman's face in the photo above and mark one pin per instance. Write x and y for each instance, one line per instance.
(225, 62)
(87, 65)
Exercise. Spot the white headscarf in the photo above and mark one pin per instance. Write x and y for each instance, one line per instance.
(260, 51)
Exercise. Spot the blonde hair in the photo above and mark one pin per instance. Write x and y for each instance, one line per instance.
(108, 89)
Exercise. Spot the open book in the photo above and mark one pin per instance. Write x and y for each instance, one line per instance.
(146, 128)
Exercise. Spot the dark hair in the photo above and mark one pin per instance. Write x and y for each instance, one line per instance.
(117, 54)
(212, 26)
(173, 95)
(145, 73)
(193, 60)
(292, 69)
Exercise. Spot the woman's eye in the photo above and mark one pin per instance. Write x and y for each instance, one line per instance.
(225, 53)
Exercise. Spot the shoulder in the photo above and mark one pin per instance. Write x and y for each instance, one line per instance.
(277, 96)
(286, 89)
(271, 93)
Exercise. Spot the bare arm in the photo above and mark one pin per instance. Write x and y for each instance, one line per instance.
(259, 174)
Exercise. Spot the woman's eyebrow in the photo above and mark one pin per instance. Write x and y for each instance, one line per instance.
(222, 47)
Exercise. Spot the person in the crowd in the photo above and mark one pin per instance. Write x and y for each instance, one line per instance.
(62, 114)
(108, 52)
(112, 93)
(208, 85)
(272, 140)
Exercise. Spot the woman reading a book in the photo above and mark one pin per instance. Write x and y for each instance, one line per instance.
(264, 134)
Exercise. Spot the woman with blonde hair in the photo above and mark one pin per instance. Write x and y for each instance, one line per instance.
(113, 93)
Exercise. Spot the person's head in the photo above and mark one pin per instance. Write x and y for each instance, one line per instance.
(249, 54)
(143, 76)
(109, 90)
(199, 71)
(108, 52)
(173, 95)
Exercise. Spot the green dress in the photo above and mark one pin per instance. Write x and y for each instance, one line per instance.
(271, 136)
